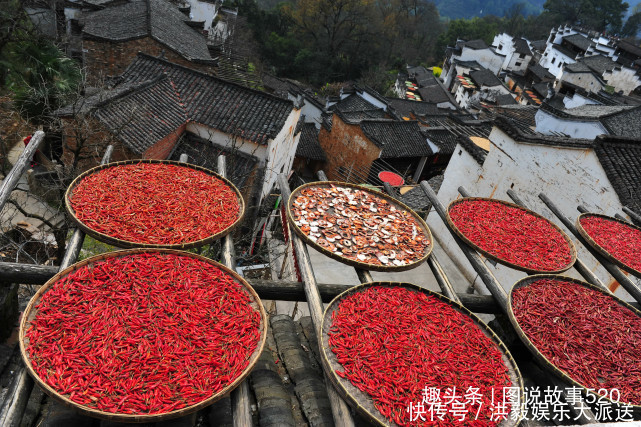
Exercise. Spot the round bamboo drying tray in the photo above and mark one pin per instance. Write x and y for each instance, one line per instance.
(501, 260)
(600, 249)
(129, 244)
(30, 313)
(535, 352)
(360, 400)
(355, 263)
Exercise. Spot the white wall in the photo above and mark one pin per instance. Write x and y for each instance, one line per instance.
(587, 81)
(546, 123)
(568, 176)
(485, 57)
(559, 59)
(226, 140)
(624, 79)
(203, 11)
(577, 100)
(312, 113)
(280, 152)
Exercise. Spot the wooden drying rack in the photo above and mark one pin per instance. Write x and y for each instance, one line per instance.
(309, 289)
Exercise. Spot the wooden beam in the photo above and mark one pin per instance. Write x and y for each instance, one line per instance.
(624, 280)
(473, 257)
(12, 178)
(240, 401)
(340, 410)
(579, 265)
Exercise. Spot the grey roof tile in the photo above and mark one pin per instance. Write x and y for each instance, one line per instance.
(443, 138)
(621, 160)
(522, 46)
(579, 41)
(485, 78)
(397, 139)
(308, 145)
(624, 123)
(155, 18)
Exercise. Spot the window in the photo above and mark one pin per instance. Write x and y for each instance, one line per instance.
(500, 46)
(74, 27)
(553, 59)
(518, 64)
(521, 55)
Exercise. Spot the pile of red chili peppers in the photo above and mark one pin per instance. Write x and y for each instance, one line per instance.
(619, 240)
(394, 342)
(155, 203)
(586, 334)
(143, 334)
(512, 234)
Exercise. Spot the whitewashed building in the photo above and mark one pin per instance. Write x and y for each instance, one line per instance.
(601, 174)
(473, 50)
(516, 50)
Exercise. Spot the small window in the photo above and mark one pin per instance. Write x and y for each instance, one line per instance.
(74, 27)
(553, 60)
(521, 55)
(500, 46)
(518, 64)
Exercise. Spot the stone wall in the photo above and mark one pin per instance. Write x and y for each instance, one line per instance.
(346, 146)
(104, 58)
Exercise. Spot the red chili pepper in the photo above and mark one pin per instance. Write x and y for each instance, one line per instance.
(583, 332)
(512, 234)
(122, 347)
(621, 241)
(155, 203)
(393, 343)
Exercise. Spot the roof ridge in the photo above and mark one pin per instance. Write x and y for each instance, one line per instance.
(203, 74)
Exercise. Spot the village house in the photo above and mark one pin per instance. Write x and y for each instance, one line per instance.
(156, 102)
(310, 157)
(603, 174)
(590, 120)
(358, 147)
(112, 37)
(420, 84)
(480, 85)
(594, 73)
(473, 50)
(516, 50)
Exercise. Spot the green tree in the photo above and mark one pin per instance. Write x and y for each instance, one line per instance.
(600, 15)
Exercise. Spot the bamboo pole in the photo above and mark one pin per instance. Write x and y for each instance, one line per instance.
(635, 216)
(438, 272)
(580, 266)
(240, 400)
(12, 178)
(340, 410)
(624, 280)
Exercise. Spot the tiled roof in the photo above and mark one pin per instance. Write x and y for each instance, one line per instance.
(521, 46)
(629, 47)
(405, 107)
(231, 108)
(156, 18)
(416, 198)
(358, 116)
(509, 127)
(477, 153)
(434, 94)
(599, 63)
(145, 116)
(625, 123)
(205, 153)
(354, 103)
(565, 51)
(396, 139)
(577, 67)
(444, 139)
(621, 160)
(473, 65)
(475, 44)
(539, 45)
(506, 99)
(579, 41)
(308, 146)
(485, 78)
(541, 89)
(540, 72)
